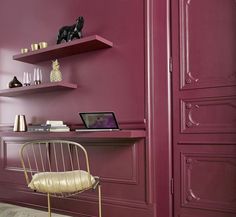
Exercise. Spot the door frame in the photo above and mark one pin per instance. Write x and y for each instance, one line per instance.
(158, 104)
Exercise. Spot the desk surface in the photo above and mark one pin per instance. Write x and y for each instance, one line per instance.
(122, 134)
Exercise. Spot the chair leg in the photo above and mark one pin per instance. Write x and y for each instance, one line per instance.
(100, 200)
(49, 206)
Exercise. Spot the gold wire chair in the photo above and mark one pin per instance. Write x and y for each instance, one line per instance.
(58, 168)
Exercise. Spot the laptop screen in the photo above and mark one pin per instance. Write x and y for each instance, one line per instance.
(99, 120)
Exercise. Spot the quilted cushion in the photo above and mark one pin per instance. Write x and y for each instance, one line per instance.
(61, 182)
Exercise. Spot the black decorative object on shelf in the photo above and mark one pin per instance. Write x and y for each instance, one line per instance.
(15, 83)
(68, 33)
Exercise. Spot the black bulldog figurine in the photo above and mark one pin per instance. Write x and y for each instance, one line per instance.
(68, 33)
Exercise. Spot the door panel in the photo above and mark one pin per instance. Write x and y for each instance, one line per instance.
(204, 107)
(204, 115)
(205, 50)
(207, 181)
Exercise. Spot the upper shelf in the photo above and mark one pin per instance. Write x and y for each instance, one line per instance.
(37, 88)
(77, 46)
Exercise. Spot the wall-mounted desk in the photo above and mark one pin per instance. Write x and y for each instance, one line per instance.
(110, 135)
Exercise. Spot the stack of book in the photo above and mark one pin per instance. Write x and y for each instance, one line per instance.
(50, 126)
(57, 126)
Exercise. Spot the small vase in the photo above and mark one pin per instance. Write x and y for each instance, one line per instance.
(15, 83)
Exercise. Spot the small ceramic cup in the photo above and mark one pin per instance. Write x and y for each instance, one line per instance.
(24, 50)
(43, 44)
(34, 47)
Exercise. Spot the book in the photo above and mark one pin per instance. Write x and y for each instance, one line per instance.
(58, 126)
(54, 123)
(59, 129)
(39, 127)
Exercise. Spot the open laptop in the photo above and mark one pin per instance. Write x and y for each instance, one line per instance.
(98, 121)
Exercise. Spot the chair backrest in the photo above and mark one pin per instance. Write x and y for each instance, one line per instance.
(52, 156)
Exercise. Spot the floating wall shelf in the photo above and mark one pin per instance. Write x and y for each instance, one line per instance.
(37, 88)
(77, 46)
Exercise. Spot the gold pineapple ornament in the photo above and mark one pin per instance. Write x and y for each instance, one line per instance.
(55, 74)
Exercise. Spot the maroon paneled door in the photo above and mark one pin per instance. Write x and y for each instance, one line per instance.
(204, 107)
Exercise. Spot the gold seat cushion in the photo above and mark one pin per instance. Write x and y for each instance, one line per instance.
(61, 182)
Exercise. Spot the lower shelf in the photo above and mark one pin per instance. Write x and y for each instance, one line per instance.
(37, 88)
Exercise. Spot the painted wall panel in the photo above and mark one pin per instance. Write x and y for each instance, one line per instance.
(120, 165)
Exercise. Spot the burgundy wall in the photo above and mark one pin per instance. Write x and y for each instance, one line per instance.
(117, 79)
(110, 79)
